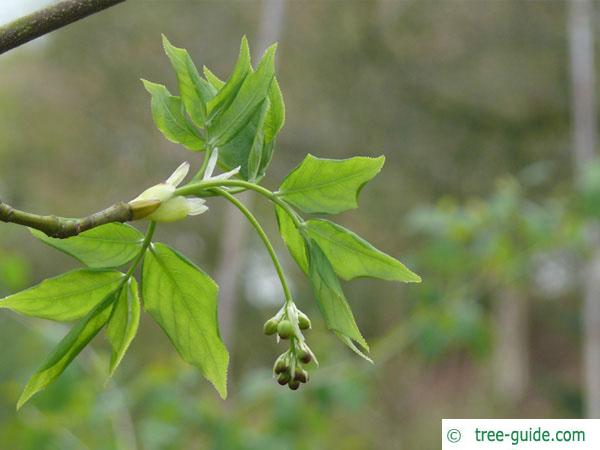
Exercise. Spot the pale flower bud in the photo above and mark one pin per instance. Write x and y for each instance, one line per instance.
(170, 208)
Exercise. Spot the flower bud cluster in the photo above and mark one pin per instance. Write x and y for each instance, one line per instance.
(288, 324)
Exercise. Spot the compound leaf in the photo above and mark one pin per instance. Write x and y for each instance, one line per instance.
(169, 117)
(106, 246)
(252, 93)
(352, 256)
(67, 297)
(214, 80)
(292, 238)
(328, 185)
(245, 149)
(229, 90)
(195, 91)
(330, 298)
(276, 114)
(123, 324)
(183, 301)
(70, 346)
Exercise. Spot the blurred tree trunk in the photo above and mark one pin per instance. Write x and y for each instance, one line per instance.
(234, 231)
(584, 151)
(511, 353)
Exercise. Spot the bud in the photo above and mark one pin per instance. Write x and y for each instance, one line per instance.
(301, 376)
(270, 327)
(303, 321)
(283, 378)
(160, 204)
(281, 366)
(171, 210)
(293, 385)
(285, 329)
(142, 208)
(304, 356)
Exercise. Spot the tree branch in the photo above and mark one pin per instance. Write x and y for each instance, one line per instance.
(48, 19)
(62, 227)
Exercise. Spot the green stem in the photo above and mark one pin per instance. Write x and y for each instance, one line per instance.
(264, 238)
(145, 245)
(196, 188)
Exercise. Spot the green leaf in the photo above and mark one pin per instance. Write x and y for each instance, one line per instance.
(67, 297)
(265, 159)
(292, 238)
(195, 91)
(330, 297)
(169, 117)
(229, 90)
(107, 246)
(256, 151)
(276, 114)
(352, 346)
(245, 150)
(183, 301)
(252, 93)
(70, 346)
(123, 324)
(328, 185)
(273, 123)
(214, 80)
(352, 256)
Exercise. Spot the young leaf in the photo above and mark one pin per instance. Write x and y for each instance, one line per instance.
(183, 301)
(276, 114)
(195, 91)
(274, 120)
(123, 324)
(245, 150)
(265, 159)
(256, 151)
(214, 80)
(352, 256)
(252, 93)
(330, 297)
(328, 185)
(229, 90)
(107, 246)
(169, 117)
(70, 346)
(67, 297)
(292, 238)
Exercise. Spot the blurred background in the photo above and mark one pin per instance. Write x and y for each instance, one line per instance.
(486, 114)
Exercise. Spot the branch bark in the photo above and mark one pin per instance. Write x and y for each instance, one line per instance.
(62, 227)
(45, 20)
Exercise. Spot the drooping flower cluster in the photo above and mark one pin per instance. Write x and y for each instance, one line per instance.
(288, 324)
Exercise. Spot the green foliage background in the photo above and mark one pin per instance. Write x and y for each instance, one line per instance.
(469, 103)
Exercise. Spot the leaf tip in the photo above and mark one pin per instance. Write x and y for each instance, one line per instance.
(24, 398)
(245, 48)
(167, 46)
(272, 48)
(147, 84)
(222, 390)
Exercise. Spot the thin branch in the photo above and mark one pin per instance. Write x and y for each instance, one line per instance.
(62, 227)
(49, 19)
